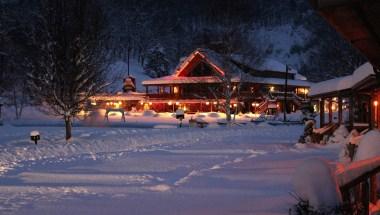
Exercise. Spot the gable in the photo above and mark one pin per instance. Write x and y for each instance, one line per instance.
(198, 65)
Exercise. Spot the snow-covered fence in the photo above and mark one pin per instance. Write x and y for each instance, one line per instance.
(358, 184)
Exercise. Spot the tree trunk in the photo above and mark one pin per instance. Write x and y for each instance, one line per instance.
(68, 126)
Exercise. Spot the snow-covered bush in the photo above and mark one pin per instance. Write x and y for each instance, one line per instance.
(339, 135)
(315, 182)
(369, 146)
(150, 113)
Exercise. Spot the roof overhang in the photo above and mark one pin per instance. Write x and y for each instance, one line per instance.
(358, 21)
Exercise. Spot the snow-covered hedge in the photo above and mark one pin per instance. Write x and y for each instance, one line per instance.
(315, 182)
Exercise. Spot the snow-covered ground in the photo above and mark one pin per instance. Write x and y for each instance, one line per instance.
(244, 169)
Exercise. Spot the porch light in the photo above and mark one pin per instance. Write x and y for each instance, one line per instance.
(235, 105)
(170, 103)
(175, 90)
(141, 102)
(215, 103)
(177, 103)
(207, 103)
(107, 103)
(93, 102)
(150, 103)
(120, 103)
(271, 88)
(375, 103)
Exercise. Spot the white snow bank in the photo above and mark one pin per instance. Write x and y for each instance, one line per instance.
(369, 146)
(315, 182)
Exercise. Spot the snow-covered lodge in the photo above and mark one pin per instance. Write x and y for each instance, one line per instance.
(197, 85)
(199, 81)
(354, 97)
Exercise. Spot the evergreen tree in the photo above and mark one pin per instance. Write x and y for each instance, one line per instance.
(157, 64)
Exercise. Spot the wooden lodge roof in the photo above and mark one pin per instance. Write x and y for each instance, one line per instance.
(217, 63)
(358, 21)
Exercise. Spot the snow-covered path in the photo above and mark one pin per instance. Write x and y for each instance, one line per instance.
(245, 170)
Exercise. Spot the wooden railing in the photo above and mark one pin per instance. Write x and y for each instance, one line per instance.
(360, 191)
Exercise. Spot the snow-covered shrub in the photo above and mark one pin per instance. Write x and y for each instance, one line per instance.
(149, 113)
(315, 182)
(369, 146)
(216, 115)
(339, 135)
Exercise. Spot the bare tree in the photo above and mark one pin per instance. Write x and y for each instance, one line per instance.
(236, 55)
(69, 56)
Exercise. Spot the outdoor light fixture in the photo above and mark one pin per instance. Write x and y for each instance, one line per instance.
(207, 103)
(93, 102)
(170, 103)
(150, 103)
(141, 102)
(375, 103)
(177, 103)
(272, 89)
(235, 105)
(215, 103)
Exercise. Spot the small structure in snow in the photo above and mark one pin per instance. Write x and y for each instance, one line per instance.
(35, 136)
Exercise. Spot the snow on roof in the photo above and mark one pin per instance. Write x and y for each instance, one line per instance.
(130, 96)
(342, 83)
(273, 65)
(172, 79)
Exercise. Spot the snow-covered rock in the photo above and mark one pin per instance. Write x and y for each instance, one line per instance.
(315, 182)
(369, 146)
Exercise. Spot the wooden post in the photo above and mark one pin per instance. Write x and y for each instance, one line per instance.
(373, 193)
(330, 111)
(365, 197)
(351, 110)
(321, 113)
(340, 110)
(369, 114)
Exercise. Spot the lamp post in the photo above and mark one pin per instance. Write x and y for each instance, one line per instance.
(1, 104)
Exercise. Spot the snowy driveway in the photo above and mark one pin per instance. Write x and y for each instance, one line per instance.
(244, 170)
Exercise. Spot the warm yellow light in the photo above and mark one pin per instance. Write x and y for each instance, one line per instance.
(235, 105)
(150, 103)
(207, 103)
(141, 102)
(120, 103)
(215, 103)
(170, 103)
(272, 89)
(107, 103)
(177, 103)
(375, 103)
(253, 104)
(175, 90)
(306, 91)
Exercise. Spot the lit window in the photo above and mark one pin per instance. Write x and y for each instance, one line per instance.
(175, 90)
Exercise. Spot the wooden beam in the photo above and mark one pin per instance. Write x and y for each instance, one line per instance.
(321, 113)
(330, 111)
(340, 110)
